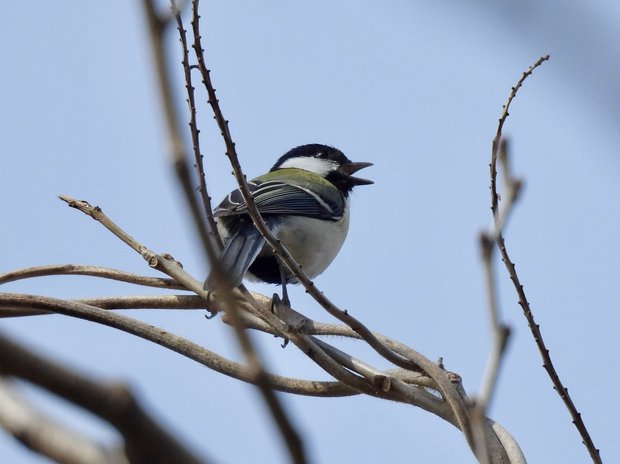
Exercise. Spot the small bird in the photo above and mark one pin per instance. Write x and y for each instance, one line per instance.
(304, 201)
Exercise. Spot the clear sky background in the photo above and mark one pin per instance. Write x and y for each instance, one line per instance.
(414, 87)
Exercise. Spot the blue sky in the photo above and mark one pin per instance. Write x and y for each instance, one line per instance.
(414, 87)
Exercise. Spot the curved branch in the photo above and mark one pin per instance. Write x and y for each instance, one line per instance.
(172, 342)
(93, 271)
(512, 273)
(502, 448)
(498, 132)
(444, 383)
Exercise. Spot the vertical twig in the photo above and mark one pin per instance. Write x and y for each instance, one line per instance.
(157, 26)
(500, 332)
(510, 266)
(195, 133)
(290, 436)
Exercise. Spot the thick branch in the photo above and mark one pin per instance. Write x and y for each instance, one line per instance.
(173, 342)
(145, 439)
(47, 437)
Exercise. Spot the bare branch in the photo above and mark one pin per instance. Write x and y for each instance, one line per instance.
(178, 302)
(157, 25)
(513, 186)
(195, 132)
(498, 133)
(145, 439)
(93, 271)
(500, 332)
(47, 437)
(173, 342)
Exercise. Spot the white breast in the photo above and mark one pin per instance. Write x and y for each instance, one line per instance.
(314, 243)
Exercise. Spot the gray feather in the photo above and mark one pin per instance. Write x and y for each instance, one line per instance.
(240, 252)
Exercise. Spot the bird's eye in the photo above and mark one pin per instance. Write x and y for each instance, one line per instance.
(321, 155)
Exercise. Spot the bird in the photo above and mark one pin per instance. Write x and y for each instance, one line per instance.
(304, 201)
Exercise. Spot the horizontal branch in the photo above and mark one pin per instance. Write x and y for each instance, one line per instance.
(178, 302)
(93, 271)
(173, 342)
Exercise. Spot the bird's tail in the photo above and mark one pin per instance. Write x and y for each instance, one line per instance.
(238, 255)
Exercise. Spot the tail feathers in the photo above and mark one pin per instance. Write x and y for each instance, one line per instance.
(238, 255)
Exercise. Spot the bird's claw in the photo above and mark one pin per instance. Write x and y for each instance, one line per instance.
(277, 301)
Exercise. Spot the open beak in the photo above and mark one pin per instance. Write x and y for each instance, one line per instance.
(352, 168)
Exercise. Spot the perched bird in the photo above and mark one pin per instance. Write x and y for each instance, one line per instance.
(304, 200)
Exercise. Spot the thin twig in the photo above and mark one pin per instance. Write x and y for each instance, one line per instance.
(544, 353)
(498, 132)
(195, 133)
(523, 302)
(500, 332)
(178, 302)
(157, 26)
(93, 271)
(291, 437)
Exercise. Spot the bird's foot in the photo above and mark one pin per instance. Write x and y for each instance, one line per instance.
(277, 301)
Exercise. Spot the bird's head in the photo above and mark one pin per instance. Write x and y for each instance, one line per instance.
(326, 161)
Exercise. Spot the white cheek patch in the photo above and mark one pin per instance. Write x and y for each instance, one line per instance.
(320, 166)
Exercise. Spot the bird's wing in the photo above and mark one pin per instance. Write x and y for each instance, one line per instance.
(276, 197)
